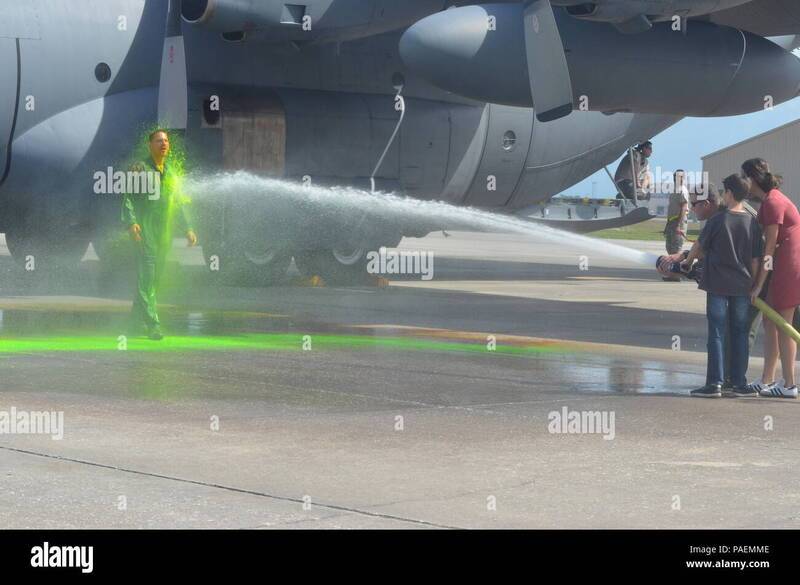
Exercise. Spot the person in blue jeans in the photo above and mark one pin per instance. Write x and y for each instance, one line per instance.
(731, 245)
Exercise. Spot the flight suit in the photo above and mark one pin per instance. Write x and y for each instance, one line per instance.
(155, 213)
(676, 229)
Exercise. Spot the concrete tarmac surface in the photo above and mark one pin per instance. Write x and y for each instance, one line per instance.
(425, 404)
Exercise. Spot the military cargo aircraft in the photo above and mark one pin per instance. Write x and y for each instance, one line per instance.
(533, 96)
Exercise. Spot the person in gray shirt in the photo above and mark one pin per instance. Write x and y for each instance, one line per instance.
(706, 201)
(731, 245)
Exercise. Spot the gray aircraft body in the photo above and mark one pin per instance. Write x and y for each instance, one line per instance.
(503, 104)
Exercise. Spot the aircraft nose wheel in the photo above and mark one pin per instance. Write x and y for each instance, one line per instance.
(341, 264)
(244, 245)
(47, 249)
(242, 262)
(264, 258)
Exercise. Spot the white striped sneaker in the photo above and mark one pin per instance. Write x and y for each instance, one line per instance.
(762, 389)
(775, 391)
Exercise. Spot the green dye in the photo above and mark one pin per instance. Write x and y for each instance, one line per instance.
(177, 149)
(254, 342)
(118, 245)
(177, 161)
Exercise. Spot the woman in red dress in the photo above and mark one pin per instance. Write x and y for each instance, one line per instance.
(780, 221)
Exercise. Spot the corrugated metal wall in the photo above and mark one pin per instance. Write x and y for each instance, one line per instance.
(781, 148)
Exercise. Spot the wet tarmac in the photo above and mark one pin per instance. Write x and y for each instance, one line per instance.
(424, 404)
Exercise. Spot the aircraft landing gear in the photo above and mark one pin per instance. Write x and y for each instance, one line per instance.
(246, 242)
(343, 263)
(337, 265)
(243, 261)
(39, 247)
(245, 245)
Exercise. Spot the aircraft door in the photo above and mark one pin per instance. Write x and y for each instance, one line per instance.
(254, 137)
(8, 97)
(507, 142)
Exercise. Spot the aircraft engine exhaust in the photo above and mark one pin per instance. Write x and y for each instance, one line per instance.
(479, 52)
(276, 21)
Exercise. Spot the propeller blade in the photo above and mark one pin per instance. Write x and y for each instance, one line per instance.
(551, 87)
(173, 93)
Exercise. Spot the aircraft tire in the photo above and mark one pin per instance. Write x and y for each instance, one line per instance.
(244, 263)
(335, 265)
(46, 249)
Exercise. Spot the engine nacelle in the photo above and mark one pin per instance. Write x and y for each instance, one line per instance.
(479, 52)
(621, 10)
(309, 20)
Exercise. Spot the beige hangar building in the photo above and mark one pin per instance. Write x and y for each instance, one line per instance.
(780, 147)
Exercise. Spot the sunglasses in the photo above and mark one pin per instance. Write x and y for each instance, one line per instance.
(694, 203)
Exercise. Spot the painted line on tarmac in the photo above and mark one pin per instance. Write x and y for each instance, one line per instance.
(230, 488)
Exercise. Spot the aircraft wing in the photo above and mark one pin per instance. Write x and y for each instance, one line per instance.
(585, 226)
(766, 18)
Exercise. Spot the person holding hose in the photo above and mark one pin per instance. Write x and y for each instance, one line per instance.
(780, 221)
(706, 202)
(148, 217)
(730, 246)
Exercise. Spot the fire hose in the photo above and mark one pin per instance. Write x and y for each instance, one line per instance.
(775, 317)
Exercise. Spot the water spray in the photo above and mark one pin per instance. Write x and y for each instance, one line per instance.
(325, 205)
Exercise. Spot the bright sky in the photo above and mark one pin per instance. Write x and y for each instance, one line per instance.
(683, 145)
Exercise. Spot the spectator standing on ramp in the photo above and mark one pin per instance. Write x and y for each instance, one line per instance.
(731, 245)
(780, 221)
(677, 218)
(706, 202)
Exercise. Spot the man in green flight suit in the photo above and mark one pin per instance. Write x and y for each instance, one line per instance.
(149, 217)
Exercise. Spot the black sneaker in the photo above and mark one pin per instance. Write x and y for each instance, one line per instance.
(739, 392)
(136, 330)
(708, 391)
(155, 334)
